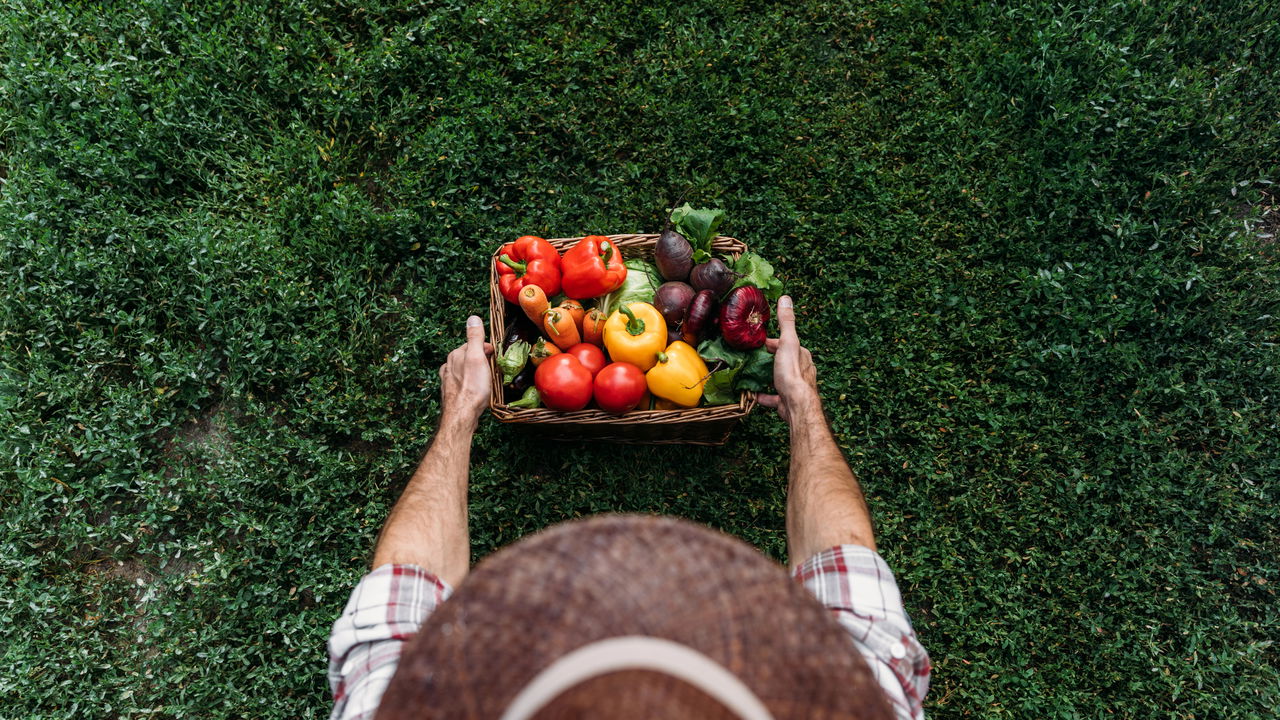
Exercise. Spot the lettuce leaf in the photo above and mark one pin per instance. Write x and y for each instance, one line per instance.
(641, 284)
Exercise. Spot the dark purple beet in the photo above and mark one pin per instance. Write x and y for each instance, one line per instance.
(702, 312)
(712, 275)
(673, 256)
(672, 299)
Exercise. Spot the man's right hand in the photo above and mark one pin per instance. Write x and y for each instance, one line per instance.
(465, 377)
(794, 374)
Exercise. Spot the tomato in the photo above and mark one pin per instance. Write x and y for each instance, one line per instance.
(619, 387)
(591, 357)
(563, 383)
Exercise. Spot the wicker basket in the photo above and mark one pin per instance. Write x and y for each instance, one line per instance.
(694, 426)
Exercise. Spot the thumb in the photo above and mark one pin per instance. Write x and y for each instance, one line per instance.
(787, 321)
(475, 332)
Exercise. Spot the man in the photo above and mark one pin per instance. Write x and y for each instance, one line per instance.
(423, 554)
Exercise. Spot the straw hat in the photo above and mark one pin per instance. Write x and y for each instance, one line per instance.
(631, 617)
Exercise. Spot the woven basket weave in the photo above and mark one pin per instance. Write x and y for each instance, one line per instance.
(693, 426)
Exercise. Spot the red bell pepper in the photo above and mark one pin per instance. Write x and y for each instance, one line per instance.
(529, 260)
(592, 268)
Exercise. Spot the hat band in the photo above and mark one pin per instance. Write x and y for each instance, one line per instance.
(637, 652)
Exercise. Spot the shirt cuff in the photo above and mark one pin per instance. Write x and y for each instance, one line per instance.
(386, 608)
(855, 583)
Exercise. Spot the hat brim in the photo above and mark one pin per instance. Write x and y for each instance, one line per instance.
(623, 575)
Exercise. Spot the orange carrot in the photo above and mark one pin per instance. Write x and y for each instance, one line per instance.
(534, 303)
(593, 327)
(541, 351)
(576, 310)
(558, 324)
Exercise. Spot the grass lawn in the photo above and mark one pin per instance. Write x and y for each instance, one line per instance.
(1033, 246)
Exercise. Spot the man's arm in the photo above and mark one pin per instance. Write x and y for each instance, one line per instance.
(825, 505)
(427, 528)
(829, 535)
(428, 525)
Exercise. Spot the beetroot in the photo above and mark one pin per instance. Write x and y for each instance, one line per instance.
(744, 318)
(672, 300)
(712, 275)
(673, 255)
(702, 313)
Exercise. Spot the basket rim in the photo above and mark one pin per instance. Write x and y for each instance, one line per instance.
(727, 413)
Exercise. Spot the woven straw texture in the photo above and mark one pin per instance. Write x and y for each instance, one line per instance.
(694, 426)
(610, 576)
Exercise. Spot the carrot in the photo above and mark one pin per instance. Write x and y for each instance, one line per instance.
(576, 310)
(558, 324)
(593, 327)
(534, 303)
(541, 351)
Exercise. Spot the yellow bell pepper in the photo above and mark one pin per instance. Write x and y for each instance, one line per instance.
(635, 333)
(678, 375)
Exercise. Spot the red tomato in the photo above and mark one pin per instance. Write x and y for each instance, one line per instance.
(563, 383)
(619, 387)
(591, 356)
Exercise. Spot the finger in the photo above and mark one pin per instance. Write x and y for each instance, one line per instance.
(768, 400)
(771, 344)
(488, 348)
(475, 331)
(787, 320)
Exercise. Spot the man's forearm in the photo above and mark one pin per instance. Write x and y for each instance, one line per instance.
(428, 525)
(825, 505)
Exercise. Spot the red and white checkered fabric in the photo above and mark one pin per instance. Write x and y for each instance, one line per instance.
(857, 586)
(385, 610)
(390, 603)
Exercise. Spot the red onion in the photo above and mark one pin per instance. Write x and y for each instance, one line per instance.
(744, 318)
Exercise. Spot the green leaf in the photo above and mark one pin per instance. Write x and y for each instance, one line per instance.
(753, 369)
(757, 372)
(530, 399)
(641, 284)
(513, 360)
(698, 227)
(717, 351)
(718, 389)
(756, 271)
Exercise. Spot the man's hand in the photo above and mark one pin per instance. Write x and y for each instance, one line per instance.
(794, 374)
(825, 506)
(465, 377)
(428, 525)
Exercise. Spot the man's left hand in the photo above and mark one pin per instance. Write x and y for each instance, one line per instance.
(465, 377)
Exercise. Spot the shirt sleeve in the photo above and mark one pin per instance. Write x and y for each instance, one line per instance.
(385, 610)
(857, 586)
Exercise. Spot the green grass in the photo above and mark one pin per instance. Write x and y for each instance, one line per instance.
(1025, 241)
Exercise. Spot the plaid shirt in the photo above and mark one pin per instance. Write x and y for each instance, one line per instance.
(390, 603)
